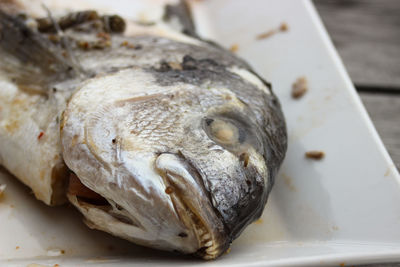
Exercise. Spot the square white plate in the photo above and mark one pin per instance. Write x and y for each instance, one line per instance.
(344, 209)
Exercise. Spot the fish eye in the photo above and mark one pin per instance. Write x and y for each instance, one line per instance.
(227, 132)
(234, 132)
(223, 132)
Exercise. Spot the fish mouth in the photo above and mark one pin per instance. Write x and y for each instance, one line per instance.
(192, 204)
(190, 200)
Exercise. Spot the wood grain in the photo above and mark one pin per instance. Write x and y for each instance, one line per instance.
(384, 111)
(367, 36)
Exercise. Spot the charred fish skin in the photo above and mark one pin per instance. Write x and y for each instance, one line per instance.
(181, 138)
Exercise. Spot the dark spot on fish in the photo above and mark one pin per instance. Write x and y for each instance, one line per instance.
(164, 67)
(118, 207)
(208, 121)
(22, 16)
(182, 235)
(114, 141)
(54, 89)
(242, 135)
(248, 182)
(123, 218)
(25, 33)
(138, 47)
(202, 251)
(54, 38)
(189, 63)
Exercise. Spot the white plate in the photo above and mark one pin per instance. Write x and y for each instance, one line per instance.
(344, 209)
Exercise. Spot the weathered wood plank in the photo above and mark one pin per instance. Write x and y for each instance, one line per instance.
(367, 36)
(384, 111)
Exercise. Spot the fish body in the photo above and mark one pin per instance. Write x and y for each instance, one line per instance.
(157, 137)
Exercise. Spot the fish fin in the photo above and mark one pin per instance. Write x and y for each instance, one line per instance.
(28, 57)
(181, 12)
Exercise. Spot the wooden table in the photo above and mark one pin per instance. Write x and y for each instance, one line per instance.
(367, 35)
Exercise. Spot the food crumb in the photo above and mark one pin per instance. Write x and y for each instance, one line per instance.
(40, 135)
(83, 45)
(289, 182)
(17, 247)
(315, 154)
(342, 264)
(169, 190)
(234, 48)
(265, 34)
(2, 189)
(104, 35)
(56, 265)
(259, 221)
(128, 45)
(386, 174)
(299, 87)
(175, 65)
(335, 228)
(284, 27)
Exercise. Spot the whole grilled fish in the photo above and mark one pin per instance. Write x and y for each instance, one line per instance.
(156, 136)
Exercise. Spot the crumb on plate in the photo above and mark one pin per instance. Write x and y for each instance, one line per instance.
(299, 87)
(315, 154)
(234, 48)
(259, 221)
(284, 27)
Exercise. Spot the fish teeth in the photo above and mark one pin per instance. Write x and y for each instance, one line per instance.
(211, 250)
(208, 244)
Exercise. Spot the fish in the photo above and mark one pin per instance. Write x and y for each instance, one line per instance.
(154, 134)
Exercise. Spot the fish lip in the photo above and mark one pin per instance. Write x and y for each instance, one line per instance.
(210, 233)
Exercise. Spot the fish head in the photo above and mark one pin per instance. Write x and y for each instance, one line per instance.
(182, 167)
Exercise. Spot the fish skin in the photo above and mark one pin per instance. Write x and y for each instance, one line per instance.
(139, 120)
